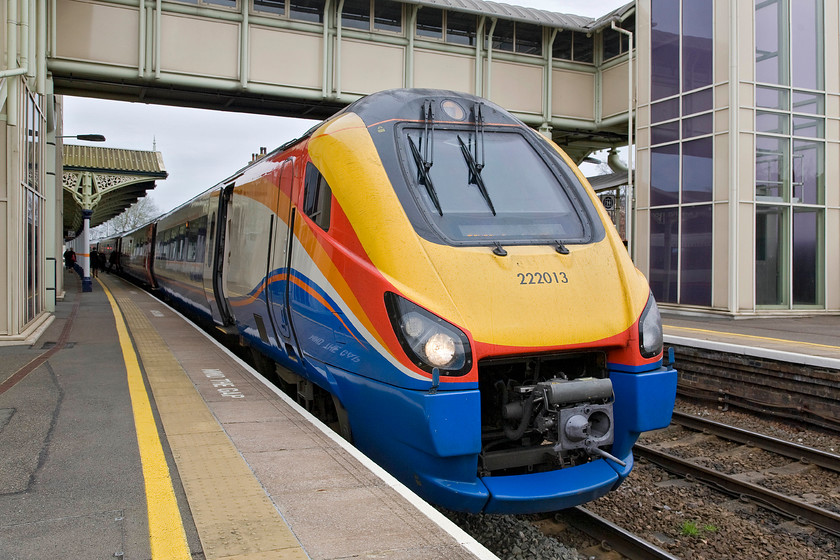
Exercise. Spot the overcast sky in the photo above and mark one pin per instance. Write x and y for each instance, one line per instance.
(200, 147)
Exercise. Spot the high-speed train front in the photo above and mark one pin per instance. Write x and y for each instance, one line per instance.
(486, 330)
(445, 280)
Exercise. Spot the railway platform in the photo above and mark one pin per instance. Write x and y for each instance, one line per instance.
(813, 340)
(787, 367)
(128, 433)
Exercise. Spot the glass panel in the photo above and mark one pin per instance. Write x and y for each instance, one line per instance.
(30, 249)
(772, 98)
(528, 38)
(771, 168)
(430, 23)
(770, 48)
(226, 3)
(775, 123)
(812, 127)
(697, 170)
(697, 126)
(584, 47)
(27, 147)
(665, 110)
(36, 155)
(806, 248)
(503, 36)
(806, 44)
(630, 25)
(356, 14)
(611, 40)
(36, 256)
(696, 255)
(665, 48)
(460, 28)
(770, 262)
(538, 209)
(808, 172)
(697, 102)
(387, 16)
(662, 133)
(562, 47)
(664, 175)
(270, 6)
(806, 102)
(664, 257)
(307, 10)
(696, 44)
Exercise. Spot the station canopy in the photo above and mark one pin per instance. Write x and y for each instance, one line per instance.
(105, 181)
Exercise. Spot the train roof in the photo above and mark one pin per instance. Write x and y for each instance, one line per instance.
(409, 105)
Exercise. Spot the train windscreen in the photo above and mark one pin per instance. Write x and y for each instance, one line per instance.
(483, 187)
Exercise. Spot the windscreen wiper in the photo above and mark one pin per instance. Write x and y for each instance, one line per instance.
(425, 179)
(475, 174)
(426, 160)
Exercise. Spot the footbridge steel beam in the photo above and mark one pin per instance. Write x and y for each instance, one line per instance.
(240, 57)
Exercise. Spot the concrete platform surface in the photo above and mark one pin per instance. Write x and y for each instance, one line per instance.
(813, 340)
(251, 474)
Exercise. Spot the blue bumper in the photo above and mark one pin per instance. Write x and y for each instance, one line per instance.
(431, 442)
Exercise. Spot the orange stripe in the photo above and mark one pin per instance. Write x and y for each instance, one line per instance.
(326, 304)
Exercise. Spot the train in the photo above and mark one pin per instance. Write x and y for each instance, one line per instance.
(441, 283)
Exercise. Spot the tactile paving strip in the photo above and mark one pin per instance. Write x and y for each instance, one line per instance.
(234, 516)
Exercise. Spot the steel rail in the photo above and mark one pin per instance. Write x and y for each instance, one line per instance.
(786, 505)
(612, 535)
(795, 451)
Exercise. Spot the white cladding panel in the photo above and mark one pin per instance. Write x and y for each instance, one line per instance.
(507, 88)
(88, 31)
(199, 46)
(368, 67)
(614, 90)
(573, 94)
(286, 58)
(444, 71)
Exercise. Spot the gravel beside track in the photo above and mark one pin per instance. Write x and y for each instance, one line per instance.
(686, 518)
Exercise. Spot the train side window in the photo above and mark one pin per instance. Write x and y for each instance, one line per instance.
(317, 197)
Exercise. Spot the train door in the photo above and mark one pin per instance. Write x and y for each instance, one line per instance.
(279, 256)
(219, 305)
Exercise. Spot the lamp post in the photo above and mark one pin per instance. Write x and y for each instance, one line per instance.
(87, 211)
(86, 137)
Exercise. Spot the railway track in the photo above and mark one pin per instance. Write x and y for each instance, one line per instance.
(736, 485)
(795, 451)
(795, 392)
(611, 536)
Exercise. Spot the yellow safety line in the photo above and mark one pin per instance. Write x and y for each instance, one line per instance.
(754, 337)
(166, 529)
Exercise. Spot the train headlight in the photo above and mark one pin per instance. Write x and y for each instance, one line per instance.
(429, 341)
(650, 330)
(440, 349)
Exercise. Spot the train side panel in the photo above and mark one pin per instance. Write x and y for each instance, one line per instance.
(137, 255)
(180, 253)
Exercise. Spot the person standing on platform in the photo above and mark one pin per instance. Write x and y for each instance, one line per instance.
(94, 263)
(114, 262)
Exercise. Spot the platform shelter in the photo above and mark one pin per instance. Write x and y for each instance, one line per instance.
(100, 183)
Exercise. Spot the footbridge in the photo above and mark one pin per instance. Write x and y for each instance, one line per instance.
(566, 75)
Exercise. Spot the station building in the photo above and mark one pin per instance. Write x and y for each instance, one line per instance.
(732, 108)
